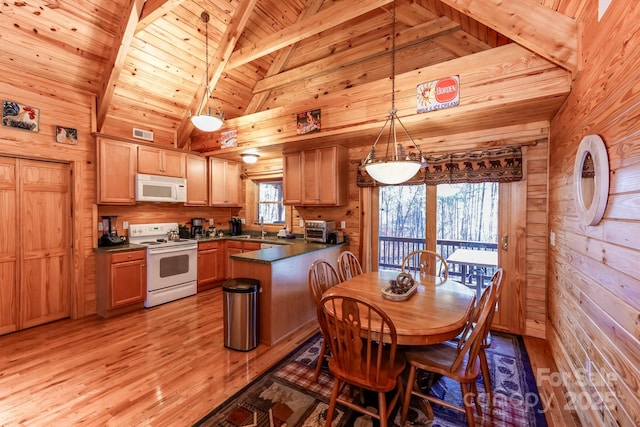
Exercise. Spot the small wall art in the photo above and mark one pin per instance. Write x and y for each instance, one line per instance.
(229, 138)
(66, 135)
(438, 94)
(308, 122)
(19, 116)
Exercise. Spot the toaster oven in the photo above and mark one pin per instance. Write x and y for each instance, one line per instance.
(318, 231)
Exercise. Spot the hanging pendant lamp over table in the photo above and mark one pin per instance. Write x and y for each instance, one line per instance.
(204, 120)
(396, 166)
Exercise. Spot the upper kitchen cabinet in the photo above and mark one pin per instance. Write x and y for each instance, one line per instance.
(116, 172)
(156, 161)
(197, 178)
(318, 179)
(292, 179)
(224, 184)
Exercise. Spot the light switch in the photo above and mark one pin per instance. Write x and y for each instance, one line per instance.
(552, 238)
(301, 223)
(343, 224)
(125, 225)
(100, 227)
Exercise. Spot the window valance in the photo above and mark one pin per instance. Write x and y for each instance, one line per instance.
(502, 164)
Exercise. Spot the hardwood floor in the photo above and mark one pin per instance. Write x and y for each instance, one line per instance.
(164, 366)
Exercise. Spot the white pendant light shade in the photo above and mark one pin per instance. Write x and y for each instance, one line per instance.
(207, 123)
(393, 172)
(396, 166)
(204, 120)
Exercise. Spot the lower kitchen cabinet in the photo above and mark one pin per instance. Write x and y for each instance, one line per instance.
(235, 247)
(210, 265)
(121, 281)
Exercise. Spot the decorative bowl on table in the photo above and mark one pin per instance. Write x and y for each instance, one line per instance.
(401, 288)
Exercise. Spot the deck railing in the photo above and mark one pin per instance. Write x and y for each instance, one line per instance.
(392, 251)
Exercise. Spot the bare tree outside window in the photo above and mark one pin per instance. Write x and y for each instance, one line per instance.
(269, 206)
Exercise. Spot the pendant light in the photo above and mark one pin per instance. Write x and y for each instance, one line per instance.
(205, 121)
(396, 166)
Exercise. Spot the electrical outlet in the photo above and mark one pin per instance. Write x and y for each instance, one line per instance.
(125, 225)
(242, 221)
(210, 222)
(552, 238)
(343, 224)
(301, 223)
(100, 227)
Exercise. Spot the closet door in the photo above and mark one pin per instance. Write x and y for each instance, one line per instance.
(8, 246)
(45, 237)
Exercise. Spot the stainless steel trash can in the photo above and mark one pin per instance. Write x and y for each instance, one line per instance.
(240, 301)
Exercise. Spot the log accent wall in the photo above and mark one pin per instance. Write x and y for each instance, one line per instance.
(594, 291)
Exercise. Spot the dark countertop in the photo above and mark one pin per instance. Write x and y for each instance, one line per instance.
(287, 248)
(290, 249)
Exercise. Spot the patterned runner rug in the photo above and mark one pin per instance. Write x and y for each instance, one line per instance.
(287, 396)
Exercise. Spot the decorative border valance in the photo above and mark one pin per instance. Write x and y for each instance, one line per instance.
(493, 165)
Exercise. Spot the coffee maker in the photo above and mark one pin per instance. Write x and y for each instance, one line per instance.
(196, 228)
(235, 226)
(110, 232)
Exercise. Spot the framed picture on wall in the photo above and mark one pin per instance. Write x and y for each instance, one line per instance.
(20, 116)
(66, 135)
(308, 122)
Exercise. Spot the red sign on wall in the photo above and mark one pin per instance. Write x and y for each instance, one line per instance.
(438, 94)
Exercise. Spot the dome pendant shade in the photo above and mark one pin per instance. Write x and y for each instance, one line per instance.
(393, 172)
(204, 120)
(207, 122)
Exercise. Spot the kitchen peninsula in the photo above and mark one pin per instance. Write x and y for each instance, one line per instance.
(285, 303)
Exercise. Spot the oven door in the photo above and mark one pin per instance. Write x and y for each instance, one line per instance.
(171, 266)
(315, 235)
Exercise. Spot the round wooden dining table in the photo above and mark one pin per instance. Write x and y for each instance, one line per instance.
(436, 312)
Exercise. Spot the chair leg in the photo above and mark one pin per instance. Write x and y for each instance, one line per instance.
(332, 401)
(407, 395)
(468, 409)
(382, 409)
(321, 355)
(486, 376)
(476, 398)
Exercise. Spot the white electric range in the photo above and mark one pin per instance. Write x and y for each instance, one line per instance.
(172, 266)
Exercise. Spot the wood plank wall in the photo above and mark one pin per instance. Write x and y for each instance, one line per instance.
(594, 291)
(67, 107)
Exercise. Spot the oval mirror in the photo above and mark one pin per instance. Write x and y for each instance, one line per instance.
(591, 176)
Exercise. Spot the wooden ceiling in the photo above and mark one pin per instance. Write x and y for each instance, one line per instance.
(269, 59)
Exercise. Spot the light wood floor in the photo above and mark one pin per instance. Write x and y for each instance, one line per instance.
(164, 366)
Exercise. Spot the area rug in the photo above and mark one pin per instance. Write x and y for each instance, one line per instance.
(286, 395)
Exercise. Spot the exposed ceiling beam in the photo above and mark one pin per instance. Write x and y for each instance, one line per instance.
(546, 32)
(322, 21)
(154, 9)
(218, 63)
(364, 52)
(115, 61)
(281, 59)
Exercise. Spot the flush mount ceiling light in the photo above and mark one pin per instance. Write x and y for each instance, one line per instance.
(249, 157)
(205, 121)
(396, 166)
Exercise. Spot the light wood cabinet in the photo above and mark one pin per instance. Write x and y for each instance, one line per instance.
(156, 161)
(235, 247)
(224, 183)
(197, 178)
(8, 246)
(117, 163)
(121, 281)
(292, 179)
(318, 179)
(210, 265)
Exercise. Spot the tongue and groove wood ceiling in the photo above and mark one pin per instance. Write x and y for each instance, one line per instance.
(269, 59)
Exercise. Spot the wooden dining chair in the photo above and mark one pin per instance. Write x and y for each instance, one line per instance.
(348, 266)
(359, 357)
(428, 263)
(496, 281)
(458, 361)
(322, 276)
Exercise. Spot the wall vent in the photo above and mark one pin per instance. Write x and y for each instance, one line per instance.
(143, 134)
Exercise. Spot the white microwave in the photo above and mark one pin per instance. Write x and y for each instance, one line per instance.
(156, 188)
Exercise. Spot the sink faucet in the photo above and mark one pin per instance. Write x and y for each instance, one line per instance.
(262, 233)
